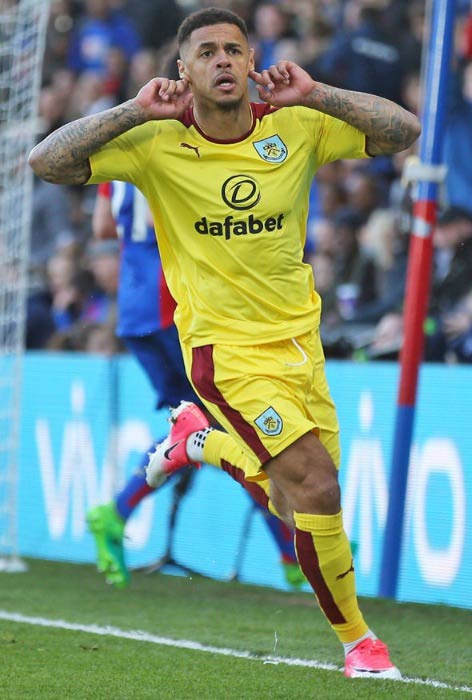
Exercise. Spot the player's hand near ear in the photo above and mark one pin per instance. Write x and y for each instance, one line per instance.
(283, 84)
(163, 98)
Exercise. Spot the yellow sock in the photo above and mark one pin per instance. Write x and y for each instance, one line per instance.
(325, 557)
(221, 450)
(220, 446)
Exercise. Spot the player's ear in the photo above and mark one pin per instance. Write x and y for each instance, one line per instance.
(182, 69)
(252, 63)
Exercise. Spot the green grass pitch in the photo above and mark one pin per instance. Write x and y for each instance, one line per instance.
(96, 654)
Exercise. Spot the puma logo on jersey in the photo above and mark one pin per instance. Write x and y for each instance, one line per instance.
(192, 148)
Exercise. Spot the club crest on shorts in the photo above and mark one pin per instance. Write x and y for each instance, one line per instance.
(269, 422)
(272, 149)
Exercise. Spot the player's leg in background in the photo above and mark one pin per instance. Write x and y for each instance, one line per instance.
(159, 356)
(107, 524)
(281, 533)
(194, 442)
(283, 538)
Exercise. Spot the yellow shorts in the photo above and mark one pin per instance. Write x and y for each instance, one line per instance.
(267, 396)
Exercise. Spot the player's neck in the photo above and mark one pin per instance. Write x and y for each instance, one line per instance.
(224, 124)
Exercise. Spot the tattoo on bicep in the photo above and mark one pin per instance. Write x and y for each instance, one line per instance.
(384, 122)
(66, 151)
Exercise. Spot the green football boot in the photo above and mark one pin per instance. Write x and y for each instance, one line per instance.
(107, 529)
(294, 576)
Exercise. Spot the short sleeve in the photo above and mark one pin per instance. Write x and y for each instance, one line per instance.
(339, 140)
(332, 139)
(125, 157)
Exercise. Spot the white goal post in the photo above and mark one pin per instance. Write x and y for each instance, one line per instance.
(23, 26)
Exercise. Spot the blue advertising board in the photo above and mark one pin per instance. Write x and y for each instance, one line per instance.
(86, 422)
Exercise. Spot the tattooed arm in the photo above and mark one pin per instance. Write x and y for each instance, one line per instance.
(388, 127)
(63, 156)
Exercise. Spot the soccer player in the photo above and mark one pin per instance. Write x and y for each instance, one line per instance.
(228, 183)
(145, 324)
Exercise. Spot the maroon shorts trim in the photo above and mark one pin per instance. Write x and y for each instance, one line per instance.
(203, 378)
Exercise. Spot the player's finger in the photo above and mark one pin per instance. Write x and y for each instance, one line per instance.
(170, 91)
(164, 84)
(266, 80)
(283, 68)
(276, 74)
(254, 75)
(181, 86)
(264, 93)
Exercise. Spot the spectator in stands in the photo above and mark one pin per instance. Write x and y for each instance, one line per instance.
(447, 328)
(353, 275)
(456, 327)
(458, 138)
(51, 230)
(59, 30)
(90, 95)
(51, 226)
(329, 193)
(386, 246)
(453, 259)
(452, 282)
(314, 28)
(66, 301)
(387, 338)
(99, 29)
(97, 338)
(155, 20)
(320, 237)
(406, 19)
(87, 337)
(52, 108)
(116, 74)
(354, 271)
(79, 294)
(323, 271)
(274, 38)
(103, 260)
(365, 57)
(365, 191)
(143, 67)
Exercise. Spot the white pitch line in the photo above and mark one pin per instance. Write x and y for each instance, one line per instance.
(141, 636)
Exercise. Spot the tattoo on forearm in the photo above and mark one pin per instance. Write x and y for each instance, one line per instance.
(63, 156)
(387, 124)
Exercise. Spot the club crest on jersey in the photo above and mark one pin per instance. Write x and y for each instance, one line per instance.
(272, 149)
(269, 422)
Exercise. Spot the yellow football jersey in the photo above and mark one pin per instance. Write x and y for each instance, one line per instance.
(231, 217)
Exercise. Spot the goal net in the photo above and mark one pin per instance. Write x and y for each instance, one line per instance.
(22, 35)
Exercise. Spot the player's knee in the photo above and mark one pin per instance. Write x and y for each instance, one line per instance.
(281, 506)
(323, 494)
(318, 492)
(307, 477)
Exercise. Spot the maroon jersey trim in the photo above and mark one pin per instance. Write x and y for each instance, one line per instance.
(259, 111)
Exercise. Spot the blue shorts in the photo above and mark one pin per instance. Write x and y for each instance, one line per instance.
(160, 356)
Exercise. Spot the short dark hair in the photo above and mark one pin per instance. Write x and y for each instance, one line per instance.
(206, 18)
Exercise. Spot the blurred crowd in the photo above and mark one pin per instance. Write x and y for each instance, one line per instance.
(100, 52)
